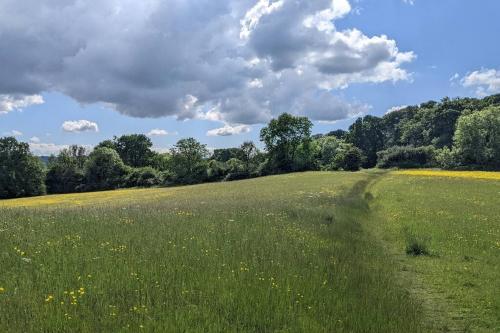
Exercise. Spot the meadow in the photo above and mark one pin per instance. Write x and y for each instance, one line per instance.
(305, 252)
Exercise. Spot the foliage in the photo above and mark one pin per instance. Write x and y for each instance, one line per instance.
(477, 139)
(367, 134)
(144, 177)
(188, 161)
(283, 137)
(225, 154)
(348, 158)
(66, 171)
(406, 157)
(21, 173)
(134, 149)
(104, 170)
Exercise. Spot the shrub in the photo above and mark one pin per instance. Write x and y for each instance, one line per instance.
(348, 158)
(406, 157)
(416, 245)
(144, 177)
(446, 158)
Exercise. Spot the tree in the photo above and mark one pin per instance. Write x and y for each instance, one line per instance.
(367, 134)
(104, 170)
(282, 138)
(248, 153)
(328, 149)
(134, 149)
(339, 134)
(477, 138)
(188, 161)
(66, 173)
(348, 158)
(225, 154)
(21, 173)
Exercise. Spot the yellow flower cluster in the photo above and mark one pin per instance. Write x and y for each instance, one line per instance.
(455, 174)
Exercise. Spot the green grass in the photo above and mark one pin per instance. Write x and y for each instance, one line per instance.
(275, 254)
(308, 252)
(458, 223)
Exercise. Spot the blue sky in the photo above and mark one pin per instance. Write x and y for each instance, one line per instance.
(432, 49)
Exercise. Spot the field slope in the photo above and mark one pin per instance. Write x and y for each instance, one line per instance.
(309, 252)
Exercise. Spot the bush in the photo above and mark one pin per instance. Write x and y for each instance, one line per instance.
(348, 158)
(446, 158)
(144, 177)
(406, 157)
(416, 245)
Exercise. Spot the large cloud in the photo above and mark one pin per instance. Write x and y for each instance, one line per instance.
(239, 61)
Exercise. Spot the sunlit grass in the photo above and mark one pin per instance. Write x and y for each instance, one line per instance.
(458, 220)
(285, 253)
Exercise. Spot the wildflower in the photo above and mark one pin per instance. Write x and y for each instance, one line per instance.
(49, 298)
(2, 290)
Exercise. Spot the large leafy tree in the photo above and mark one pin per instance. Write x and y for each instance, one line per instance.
(21, 173)
(66, 171)
(367, 134)
(283, 137)
(248, 153)
(134, 149)
(188, 161)
(477, 139)
(105, 170)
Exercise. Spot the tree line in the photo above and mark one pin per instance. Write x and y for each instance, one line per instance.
(462, 133)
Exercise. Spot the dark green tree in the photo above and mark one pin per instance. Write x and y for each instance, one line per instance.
(348, 158)
(134, 149)
(66, 171)
(248, 153)
(21, 173)
(282, 138)
(105, 170)
(367, 134)
(188, 161)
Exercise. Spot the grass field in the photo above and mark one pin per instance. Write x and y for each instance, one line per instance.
(311, 252)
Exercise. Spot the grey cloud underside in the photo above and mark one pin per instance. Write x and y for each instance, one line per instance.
(145, 58)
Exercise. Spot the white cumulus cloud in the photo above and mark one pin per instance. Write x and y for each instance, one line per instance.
(228, 130)
(10, 103)
(486, 81)
(160, 132)
(78, 126)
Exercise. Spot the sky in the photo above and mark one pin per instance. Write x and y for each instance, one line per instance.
(79, 72)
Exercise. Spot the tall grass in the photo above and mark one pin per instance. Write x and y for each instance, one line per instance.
(275, 254)
(454, 216)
